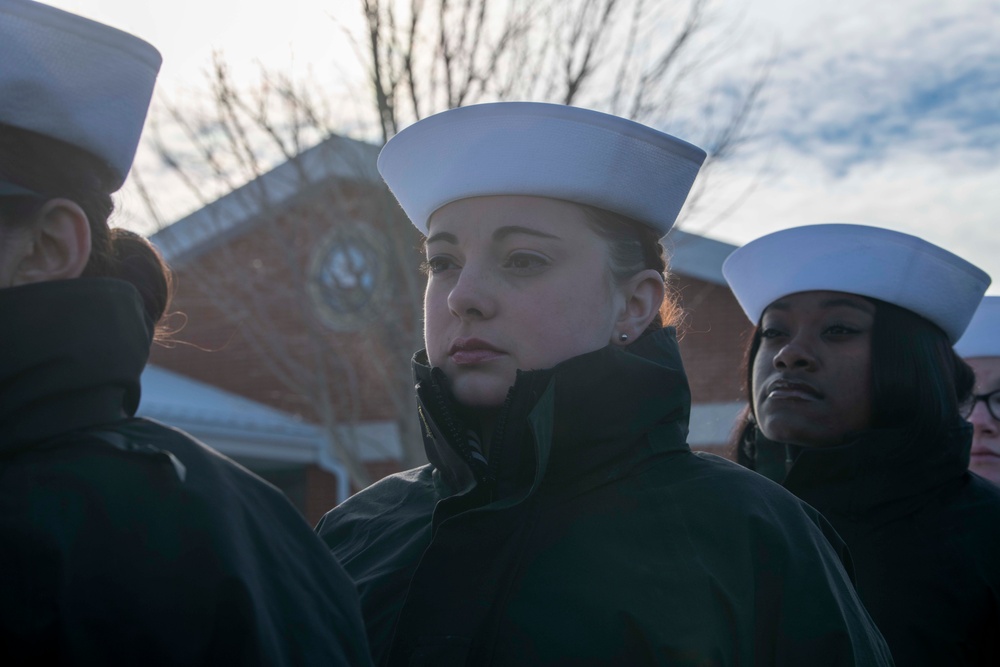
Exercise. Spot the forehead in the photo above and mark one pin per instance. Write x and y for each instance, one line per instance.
(473, 215)
(987, 371)
(816, 302)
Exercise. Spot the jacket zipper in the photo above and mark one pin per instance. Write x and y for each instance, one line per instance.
(497, 443)
(454, 433)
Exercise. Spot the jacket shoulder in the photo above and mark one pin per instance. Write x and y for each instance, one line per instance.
(717, 494)
(148, 522)
(392, 502)
(711, 472)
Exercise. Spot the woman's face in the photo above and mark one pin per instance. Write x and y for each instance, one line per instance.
(985, 458)
(812, 373)
(515, 282)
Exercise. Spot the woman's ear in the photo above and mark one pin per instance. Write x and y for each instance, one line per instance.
(643, 294)
(59, 244)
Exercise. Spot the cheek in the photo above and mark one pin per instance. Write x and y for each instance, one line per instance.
(564, 320)
(758, 374)
(436, 315)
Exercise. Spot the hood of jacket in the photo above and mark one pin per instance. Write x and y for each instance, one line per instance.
(582, 421)
(72, 354)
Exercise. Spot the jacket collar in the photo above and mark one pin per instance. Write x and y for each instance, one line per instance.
(588, 418)
(72, 354)
(877, 468)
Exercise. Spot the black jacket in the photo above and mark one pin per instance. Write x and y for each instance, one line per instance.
(924, 535)
(592, 535)
(125, 542)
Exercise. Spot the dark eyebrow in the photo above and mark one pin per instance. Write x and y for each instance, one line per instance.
(503, 232)
(442, 236)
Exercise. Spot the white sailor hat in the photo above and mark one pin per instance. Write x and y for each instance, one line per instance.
(878, 263)
(75, 80)
(545, 150)
(982, 337)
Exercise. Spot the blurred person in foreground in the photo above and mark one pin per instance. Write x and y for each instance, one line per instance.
(854, 407)
(122, 541)
(980, 347)
(563, 520)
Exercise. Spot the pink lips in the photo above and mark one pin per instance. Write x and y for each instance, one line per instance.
(470, 351)
(792, 390)
(982, 454)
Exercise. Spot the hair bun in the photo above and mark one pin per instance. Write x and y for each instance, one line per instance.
(136, 260)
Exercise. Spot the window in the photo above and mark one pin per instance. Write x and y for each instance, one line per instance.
(349, 276)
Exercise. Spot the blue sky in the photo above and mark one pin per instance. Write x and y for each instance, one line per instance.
(879, 113)
(883, 113)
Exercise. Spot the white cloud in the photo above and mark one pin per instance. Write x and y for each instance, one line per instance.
(886, 114)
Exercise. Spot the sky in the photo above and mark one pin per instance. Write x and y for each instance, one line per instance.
(881, 113)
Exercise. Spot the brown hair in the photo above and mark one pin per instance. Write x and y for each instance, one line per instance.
(54, 169)
(635, 247)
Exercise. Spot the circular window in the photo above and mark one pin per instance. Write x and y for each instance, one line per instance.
(349, 276)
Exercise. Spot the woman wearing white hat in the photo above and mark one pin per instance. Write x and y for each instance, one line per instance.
(980, 347)
(854, 407)
(122, 541)
(563, 519)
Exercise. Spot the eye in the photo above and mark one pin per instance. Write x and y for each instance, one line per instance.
(770, 332)
(841, 330)
(438, 264)
(525, 262)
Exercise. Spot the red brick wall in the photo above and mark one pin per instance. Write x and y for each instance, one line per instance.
(249, 291)
(320, 495)
(321, 488)
(713, 339)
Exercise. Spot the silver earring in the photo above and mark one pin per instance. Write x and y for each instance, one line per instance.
(623, 337)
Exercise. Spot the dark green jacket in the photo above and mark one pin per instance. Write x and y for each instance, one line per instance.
(924, 535)
(592, 535)
(125, 542)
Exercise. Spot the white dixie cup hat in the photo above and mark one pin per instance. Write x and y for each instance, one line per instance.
(982, 337)
(878, 263)
(544, 150)
(75, 80)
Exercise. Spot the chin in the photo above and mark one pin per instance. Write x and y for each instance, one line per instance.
(989, 470)
(480, 392)
(793, 433)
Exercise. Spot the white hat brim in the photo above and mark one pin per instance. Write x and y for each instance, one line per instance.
(75, 80)
(982, 337)
(868, 261)
(546, 150)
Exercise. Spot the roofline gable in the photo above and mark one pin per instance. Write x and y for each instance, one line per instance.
(335, 157)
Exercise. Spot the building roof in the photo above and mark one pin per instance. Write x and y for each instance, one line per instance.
(234, 425)
(336, 157)
(242, 428)
(697, 256)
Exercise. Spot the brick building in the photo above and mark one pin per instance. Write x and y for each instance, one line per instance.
(301, 293)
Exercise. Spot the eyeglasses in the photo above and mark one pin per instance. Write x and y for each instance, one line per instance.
(991, 399)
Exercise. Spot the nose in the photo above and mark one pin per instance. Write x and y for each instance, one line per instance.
(796, 353)
(473, 294)
(982, 421)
